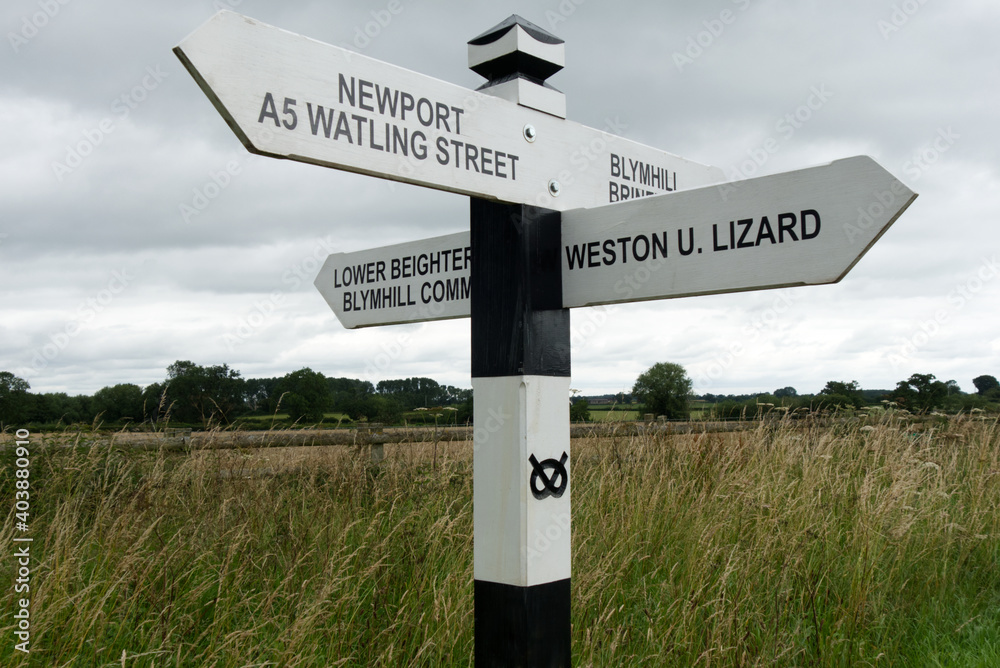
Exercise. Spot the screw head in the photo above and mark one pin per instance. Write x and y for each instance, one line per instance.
(529, 132)
(554, 188)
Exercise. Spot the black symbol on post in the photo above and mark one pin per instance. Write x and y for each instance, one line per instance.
(553, 485)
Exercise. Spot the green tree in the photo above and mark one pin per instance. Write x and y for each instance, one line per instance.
(197, 393)
(922, 391)
(579, 411)
(986, 386)
(14, 399)
(786, 392)
(841, 393)
(305, 394)
(121, 401)
(663, 389)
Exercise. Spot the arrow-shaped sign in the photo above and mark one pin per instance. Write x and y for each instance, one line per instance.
(805, 227)
(288, 96)
(409, 282)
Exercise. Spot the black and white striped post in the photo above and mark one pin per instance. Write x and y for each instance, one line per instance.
(509, 155)
(520, 380)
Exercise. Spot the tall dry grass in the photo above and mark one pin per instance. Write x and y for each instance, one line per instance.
(776, 546)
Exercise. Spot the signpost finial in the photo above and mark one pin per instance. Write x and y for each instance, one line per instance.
(516, 57)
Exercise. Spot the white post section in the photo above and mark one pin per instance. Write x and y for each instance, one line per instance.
(522, 490)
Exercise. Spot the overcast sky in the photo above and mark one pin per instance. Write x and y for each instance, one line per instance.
(105, 136)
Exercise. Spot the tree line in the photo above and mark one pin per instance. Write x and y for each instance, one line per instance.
(665, 389)
(192, 394)
(196, 395)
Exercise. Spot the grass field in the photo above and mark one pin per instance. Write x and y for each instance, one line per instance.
(613, 415)
(773, 547)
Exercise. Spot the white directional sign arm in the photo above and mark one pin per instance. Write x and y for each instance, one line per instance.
(292, 97)
(805, 227)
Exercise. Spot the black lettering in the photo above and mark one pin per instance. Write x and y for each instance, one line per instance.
(786, 223)
(612, 191)
(360, 120)
(635, 247)
(761, 234)
(574, 256)
(344, 89)
(320, 119)
(616, 167)
(609, 252)
(382, 95)
(430, 112)
(644, 173)
(458, 117)
(371, 136)
(715, 239)
(592, 251)
(268, 110)
(680, 241)
(342, 128)
(398, 140)
(746, 224)
(815, 215)
(500, 164)
(288, 111)
(487, 161)
(408, 104)
(419, 149)
(660, 244)
(471, 157)
(442, 145)
(442, 117)
(362, 84)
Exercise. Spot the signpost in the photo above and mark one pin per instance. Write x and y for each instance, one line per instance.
(289, 96)
(561, 216)
(413, 282)
(797, 228)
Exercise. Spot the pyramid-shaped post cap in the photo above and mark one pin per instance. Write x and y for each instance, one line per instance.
(516, 47)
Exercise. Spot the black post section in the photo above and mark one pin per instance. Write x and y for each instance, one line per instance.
(522, 626)
(518, 324)
(519, 330)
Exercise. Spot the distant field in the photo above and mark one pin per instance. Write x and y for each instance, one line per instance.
(611, 416)
(264, 421)
(845, 546)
